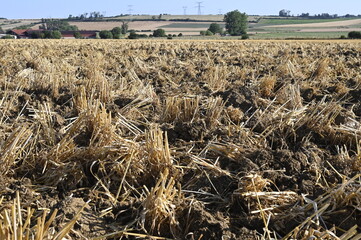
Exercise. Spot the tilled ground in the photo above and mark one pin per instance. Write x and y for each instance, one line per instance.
(184, 139)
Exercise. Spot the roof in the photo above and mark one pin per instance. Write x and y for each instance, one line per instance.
(19, 31)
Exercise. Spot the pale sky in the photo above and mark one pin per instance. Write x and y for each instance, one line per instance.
(62, 8)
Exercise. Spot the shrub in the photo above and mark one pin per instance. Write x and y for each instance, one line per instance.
(245, 36)
(77, 35)
(116, 36)
(133, 35)
(106, 34)
(215, 28)
(37, 35)
(7, 37)
(116, 31)
(354, 35)
(209, 33)
(56, 34)
(159, 33)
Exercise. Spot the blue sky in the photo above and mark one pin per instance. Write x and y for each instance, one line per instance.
(62, 8)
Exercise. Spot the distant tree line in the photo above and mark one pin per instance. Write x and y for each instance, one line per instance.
(47, 34)
(59, 25)
(115, 33)
(158, 33)
(25, 26)
(287, 13)
(87, 16)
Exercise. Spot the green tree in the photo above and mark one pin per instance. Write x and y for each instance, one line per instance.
(159, 33)
(116, 32)
(60, 25)
(77, 35)
(1, 31)
(51, 35)
(236, 23)
(215, 28)
(202, 33)
(105, 34)
(37, 34)
(48, 34)
(56, 34)
(124, 28)
(284, 13)
(354, 35)
(209, 33)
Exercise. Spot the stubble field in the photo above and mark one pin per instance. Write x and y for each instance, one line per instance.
(180, 139)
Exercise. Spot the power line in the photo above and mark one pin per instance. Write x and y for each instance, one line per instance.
(130, 9)
(185, 10)
(199, 8)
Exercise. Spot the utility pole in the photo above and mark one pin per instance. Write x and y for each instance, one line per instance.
(130, 9)
(199, 8)
(185, 10)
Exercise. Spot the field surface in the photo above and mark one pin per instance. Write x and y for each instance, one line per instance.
(9, 24)
(260, 27)
(295, 20)
(188, 28)
(137, 25)
(321, 24)
(112, 139)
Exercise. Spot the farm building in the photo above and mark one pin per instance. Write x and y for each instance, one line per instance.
(19, 33)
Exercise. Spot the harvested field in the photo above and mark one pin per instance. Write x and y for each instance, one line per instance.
(112, 139)
(329, 29)
(322, 24)
(137, 25)
(9, 24)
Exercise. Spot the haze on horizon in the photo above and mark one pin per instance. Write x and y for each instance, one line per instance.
(23, 9)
